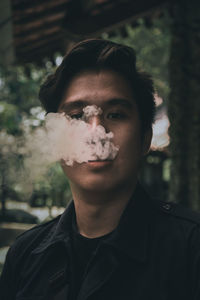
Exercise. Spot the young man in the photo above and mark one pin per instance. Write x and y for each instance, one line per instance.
(113, 241)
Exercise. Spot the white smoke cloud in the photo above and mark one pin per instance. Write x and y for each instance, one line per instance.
(69, 140)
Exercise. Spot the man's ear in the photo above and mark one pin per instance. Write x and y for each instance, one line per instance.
(147, 141)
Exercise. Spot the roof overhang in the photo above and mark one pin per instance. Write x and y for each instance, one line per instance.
(41, 28)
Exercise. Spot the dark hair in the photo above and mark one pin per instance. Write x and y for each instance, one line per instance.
(101, 54)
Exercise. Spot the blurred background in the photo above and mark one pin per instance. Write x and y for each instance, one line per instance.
(35, 35)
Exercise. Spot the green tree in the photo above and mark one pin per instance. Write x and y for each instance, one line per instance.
(20, 111)
(151, 44)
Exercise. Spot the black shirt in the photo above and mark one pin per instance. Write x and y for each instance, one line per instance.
(82, 251)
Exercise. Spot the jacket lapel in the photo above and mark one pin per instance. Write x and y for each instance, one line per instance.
(100, 270)
(59, 286)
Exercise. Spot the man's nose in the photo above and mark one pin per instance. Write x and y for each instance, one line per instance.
(95, 121)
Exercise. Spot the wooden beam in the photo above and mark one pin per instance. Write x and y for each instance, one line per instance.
(24, 18)
(21, 42)
(38, 25)
(27, 47)
(26, 6)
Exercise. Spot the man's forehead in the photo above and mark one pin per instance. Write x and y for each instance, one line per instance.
(91, 81)
(100, 88)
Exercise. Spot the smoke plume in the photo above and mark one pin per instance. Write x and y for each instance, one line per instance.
(70, 140)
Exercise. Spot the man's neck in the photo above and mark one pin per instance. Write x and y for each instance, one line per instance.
(98, 213)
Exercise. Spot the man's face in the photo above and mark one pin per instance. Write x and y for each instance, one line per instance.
(112, 93)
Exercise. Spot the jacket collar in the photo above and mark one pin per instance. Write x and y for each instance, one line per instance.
(130, 236)
(59, 232)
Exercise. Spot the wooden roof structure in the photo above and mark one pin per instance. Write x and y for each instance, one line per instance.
(39, 28)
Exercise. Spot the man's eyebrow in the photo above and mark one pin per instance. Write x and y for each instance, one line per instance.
(120, 101)
(67, 106)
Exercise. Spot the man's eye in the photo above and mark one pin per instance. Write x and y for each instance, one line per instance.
(116, 115)
(76, 116)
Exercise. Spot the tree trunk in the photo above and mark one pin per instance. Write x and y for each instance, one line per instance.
(184, 104)
(3, 195)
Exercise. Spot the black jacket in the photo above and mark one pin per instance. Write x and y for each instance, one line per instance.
(154, 254)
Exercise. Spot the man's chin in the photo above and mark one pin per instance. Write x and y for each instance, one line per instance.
(96, 185)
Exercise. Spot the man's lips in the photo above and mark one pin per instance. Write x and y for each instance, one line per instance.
(99, 160)
(99, 163)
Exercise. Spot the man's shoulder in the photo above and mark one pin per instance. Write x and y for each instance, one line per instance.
(178, 212)
(30, 239)
(38, 229)
(170, 211)
(176, 224)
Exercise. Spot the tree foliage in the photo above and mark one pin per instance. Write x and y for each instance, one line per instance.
(151, 43)
(20, 111)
